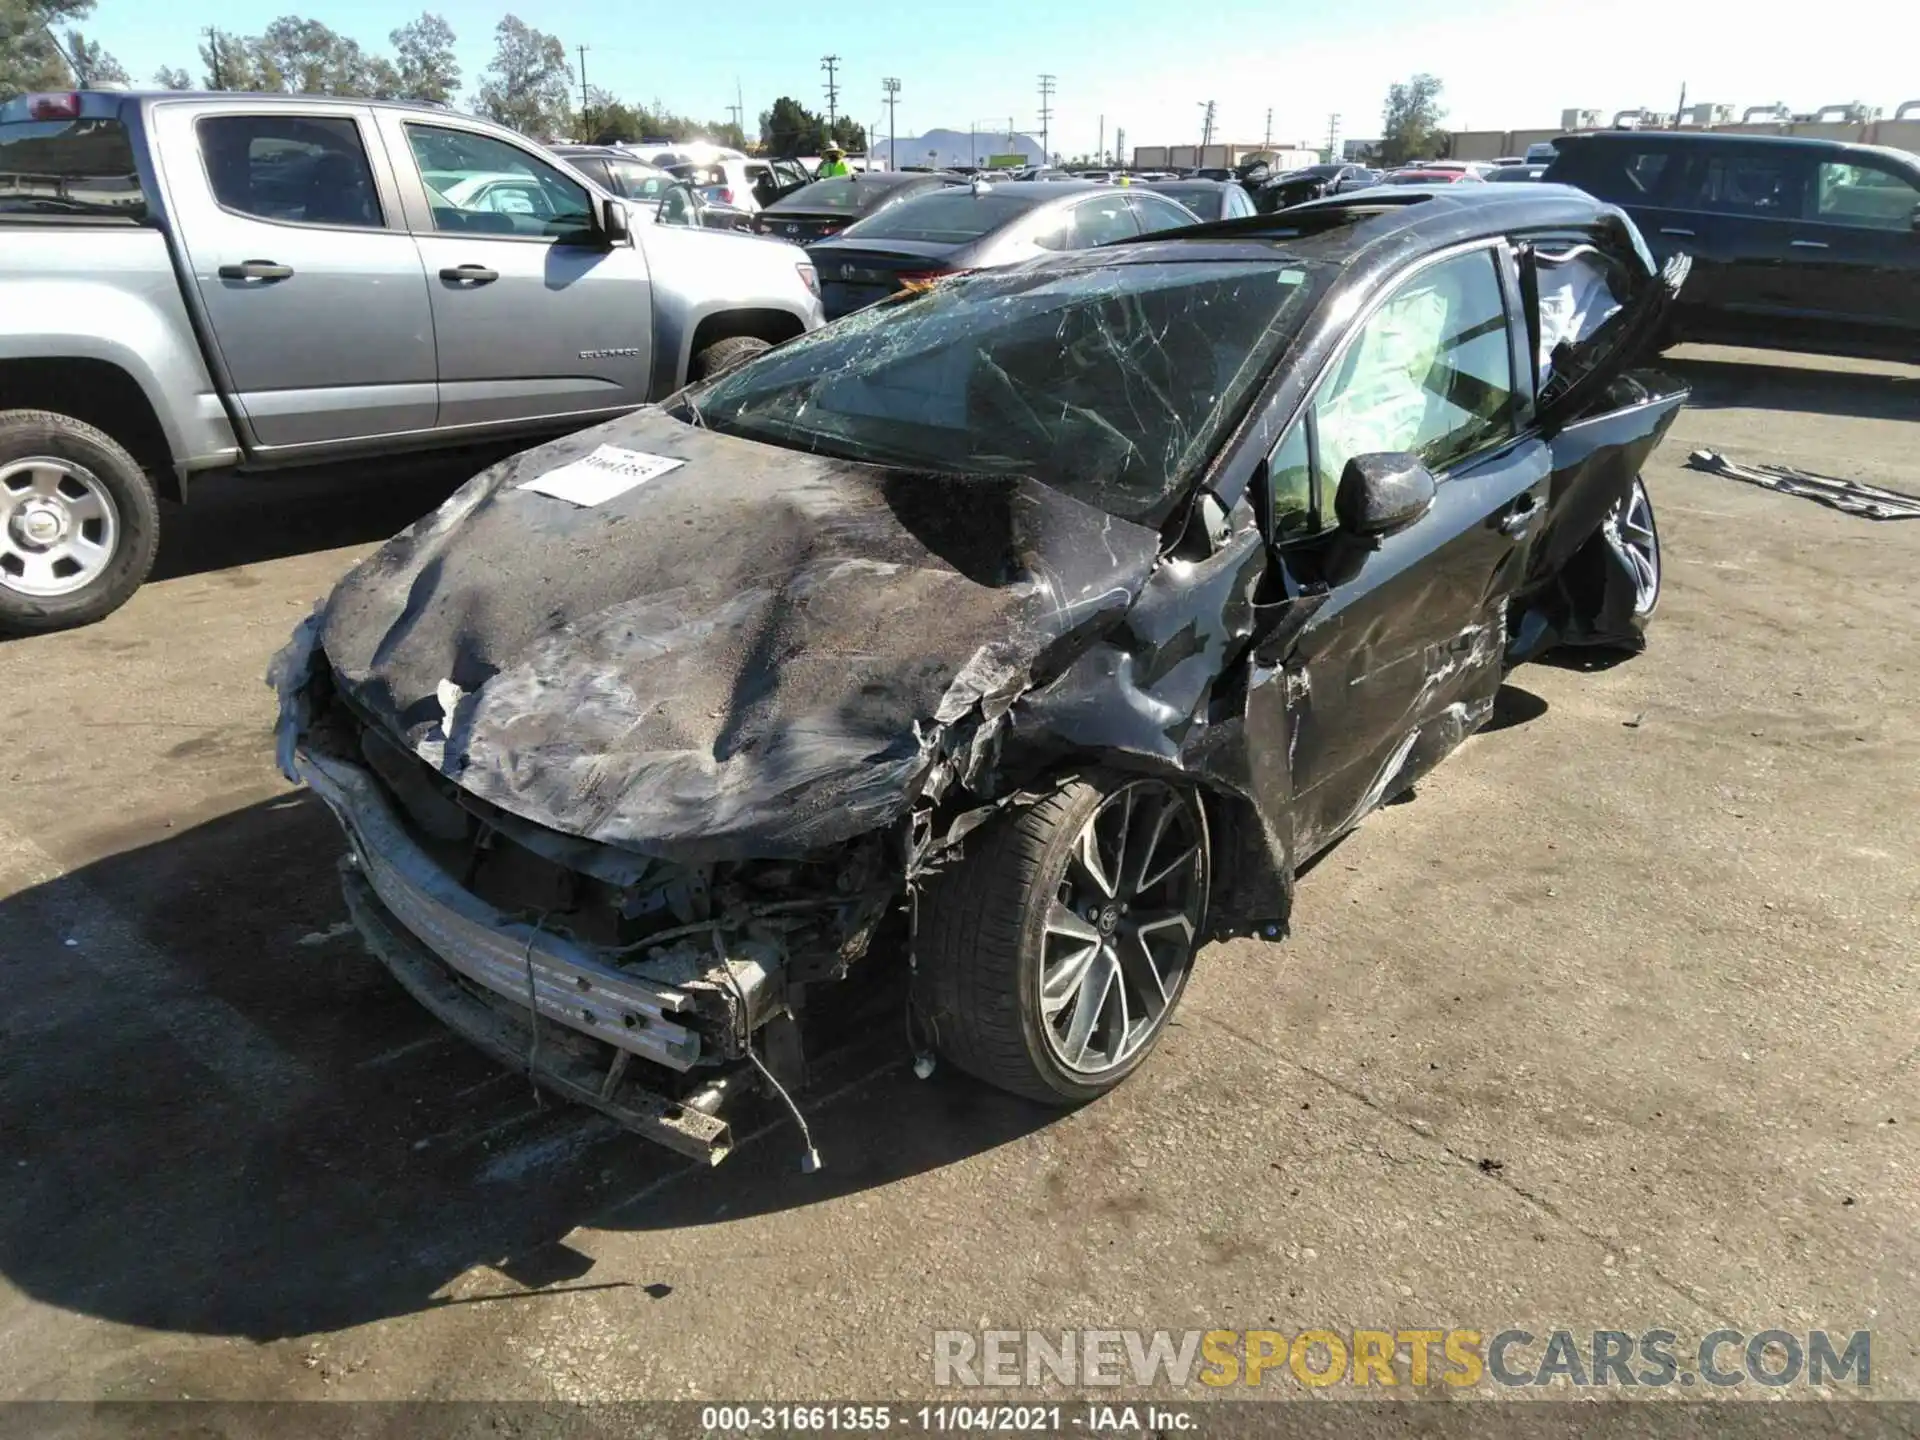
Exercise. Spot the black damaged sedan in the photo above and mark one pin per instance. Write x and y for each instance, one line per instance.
(1026, 631)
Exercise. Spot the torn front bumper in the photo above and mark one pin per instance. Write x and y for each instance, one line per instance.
(432, 935)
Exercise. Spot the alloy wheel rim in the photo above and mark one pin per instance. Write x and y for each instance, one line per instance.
(1631, 532)
(1120, 929)
(58, 527)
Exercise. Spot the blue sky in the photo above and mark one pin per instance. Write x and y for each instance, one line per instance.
(1145, 66)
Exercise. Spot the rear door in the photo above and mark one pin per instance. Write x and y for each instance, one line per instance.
(534, 318)
(1745, 203)
(1858, 253)
(1402, 659)
(311, 287)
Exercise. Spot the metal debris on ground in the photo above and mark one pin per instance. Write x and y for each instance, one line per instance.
(1848, 495)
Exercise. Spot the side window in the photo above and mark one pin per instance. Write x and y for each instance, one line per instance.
(306, 169)
(1156, 213)
(1099, 220)
(1238, 204)
(1865, 196)
(638, 182)
(1430, 372)
(1734, 182)
(676, 206)
(1622, 173)
(1292, 477)
(479, 185)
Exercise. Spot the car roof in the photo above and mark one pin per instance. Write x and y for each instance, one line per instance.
(1720, 137)
(1346, 228)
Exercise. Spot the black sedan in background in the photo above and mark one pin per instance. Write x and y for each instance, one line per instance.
(980, 227)
(826, 207)
(1209, 199)
(1297, 186)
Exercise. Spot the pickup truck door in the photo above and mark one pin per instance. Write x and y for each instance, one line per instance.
(535, 317)
(288, 223)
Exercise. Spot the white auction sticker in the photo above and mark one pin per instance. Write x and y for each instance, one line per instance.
(597, 478)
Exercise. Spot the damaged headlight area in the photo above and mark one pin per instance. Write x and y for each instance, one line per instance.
(651, 978)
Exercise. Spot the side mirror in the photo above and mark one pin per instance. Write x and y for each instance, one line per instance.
(1381, 495)
(615, 228)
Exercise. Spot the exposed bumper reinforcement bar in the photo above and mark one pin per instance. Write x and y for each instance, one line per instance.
(493, 949)
(637, 1109)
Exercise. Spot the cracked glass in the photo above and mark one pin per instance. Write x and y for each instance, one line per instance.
(1113, 384)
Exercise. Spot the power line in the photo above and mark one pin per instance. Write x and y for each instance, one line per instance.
(1046, 117)
(831, 64)
(891, 86)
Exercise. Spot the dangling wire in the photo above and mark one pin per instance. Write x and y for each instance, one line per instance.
(810, 1160)
(533, 1013)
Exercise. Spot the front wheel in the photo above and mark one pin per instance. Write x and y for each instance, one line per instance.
(1052, 956)
(725, 355)
(1630, 533)
(79, 524)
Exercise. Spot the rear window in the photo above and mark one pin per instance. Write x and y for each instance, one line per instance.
(946, 217)
(71, 168)
(853, 194)
(1623, 174)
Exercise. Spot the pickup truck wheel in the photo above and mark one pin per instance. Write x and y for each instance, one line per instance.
(1050, 958)
(724, 355)
(79, 524)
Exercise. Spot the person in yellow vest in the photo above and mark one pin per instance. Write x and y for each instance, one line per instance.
(832, 162)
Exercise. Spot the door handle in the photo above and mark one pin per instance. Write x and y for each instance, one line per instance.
(469, 275)
(256, 270)
(1675, 230)
(1516, 520)
(1809, 244)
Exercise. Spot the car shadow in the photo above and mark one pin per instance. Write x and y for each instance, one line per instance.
(1512, 707)
(223, 1118)
(1755, 385)
(232, 520)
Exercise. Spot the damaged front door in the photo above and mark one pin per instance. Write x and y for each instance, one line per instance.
(1403, 659)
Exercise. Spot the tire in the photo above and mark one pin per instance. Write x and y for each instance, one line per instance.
(724, 355)
(1632, 534)
(79, 523)
(990, 937)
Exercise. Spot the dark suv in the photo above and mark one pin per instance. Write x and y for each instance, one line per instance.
(1797, 244)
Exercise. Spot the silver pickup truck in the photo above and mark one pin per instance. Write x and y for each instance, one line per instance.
(212, 282)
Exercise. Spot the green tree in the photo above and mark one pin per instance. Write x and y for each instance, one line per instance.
(229, 63)
(427, 69)
(529, 83)
(30, 57)
(1411, 122)
(852, 137)
(169, 78)
(92, 65)
(790, 128)
(311, 58)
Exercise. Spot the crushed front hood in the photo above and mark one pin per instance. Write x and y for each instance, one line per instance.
(760, 653)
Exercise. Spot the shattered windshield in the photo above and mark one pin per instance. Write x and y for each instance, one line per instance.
(1111, 383)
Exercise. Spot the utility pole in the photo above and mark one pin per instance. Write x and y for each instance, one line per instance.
(740, 111)
(831, 64)
(1333, 138)
(1046, 118)
(1100, 153)
(1206, 128)
(891, 85)
(586, 108)
(213, 53)
(1119, 145)
(1267, 144)
(1680, 110)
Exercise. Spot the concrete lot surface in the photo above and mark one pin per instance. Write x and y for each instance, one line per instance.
(1613, 1025)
